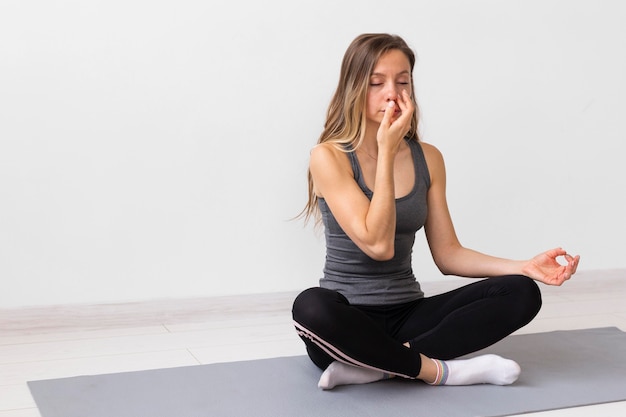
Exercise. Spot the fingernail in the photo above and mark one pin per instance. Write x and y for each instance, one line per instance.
(391, 104)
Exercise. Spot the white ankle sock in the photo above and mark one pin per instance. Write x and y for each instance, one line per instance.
(485, 369)
(339, 373)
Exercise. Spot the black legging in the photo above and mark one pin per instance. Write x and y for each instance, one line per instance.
(445, 326)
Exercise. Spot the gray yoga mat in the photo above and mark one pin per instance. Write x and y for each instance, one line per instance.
(559, 369)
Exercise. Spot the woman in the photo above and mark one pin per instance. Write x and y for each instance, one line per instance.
(374, 184)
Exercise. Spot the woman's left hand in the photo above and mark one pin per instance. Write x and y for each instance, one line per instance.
(545, 268)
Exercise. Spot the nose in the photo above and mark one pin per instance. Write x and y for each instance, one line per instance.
(392, 93)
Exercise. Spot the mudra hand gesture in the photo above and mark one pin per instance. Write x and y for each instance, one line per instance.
(545, 267)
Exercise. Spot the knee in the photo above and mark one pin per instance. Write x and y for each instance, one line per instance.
(304, 304)
(528, 296)
(313, 307)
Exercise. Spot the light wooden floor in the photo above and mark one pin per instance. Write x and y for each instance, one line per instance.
(77, 340)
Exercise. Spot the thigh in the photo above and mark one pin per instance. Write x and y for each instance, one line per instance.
(335, 330)
(470, 318)
(313, 309)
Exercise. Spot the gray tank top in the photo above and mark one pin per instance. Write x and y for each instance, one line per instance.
(361, 279)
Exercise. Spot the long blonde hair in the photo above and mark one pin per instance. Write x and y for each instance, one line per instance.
(345, 118)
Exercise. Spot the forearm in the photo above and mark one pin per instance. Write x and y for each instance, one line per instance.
(380, 221)
(469, 263)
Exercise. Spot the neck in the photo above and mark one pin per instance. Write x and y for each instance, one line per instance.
(369, 146)
(371, 150)
(371, 154)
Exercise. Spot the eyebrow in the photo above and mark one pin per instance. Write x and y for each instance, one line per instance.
(380, 74)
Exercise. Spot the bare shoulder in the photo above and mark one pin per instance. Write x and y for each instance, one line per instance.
(431, 152)
(323, 151)
(434, 158)
(327, 155)
(328, 165)
(326, 150)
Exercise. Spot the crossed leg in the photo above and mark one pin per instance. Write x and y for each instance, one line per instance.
(354, 348)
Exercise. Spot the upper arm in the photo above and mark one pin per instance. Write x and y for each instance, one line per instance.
(333, 180)
(439, 229)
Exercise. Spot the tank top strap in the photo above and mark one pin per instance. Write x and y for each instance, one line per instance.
(356, 170)
(419, 162)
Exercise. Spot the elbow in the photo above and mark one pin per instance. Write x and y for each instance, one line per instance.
(447, 258)
(378, 249)
(443, 267)
(445, 271)
(382, 253)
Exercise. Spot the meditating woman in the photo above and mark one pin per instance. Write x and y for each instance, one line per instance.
(373, 183)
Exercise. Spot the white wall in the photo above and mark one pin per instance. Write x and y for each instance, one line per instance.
(155, 149)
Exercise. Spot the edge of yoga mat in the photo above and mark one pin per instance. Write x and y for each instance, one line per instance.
(556, 374)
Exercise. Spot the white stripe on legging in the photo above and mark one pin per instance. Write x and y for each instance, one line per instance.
(336, 354)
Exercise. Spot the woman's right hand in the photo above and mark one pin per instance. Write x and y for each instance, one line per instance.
(395, 126)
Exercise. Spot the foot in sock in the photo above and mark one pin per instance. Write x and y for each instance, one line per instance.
(339, 373)
(485, 369)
